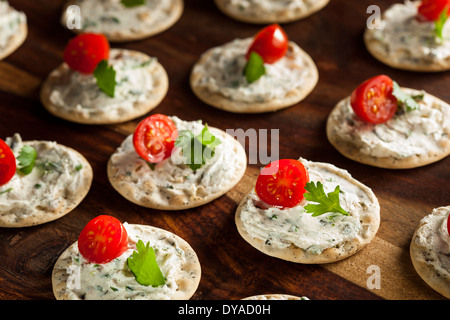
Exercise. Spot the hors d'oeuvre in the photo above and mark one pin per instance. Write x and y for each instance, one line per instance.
(308, 212)
(171, 164)
(99, 85)
(269, 11)
(40, 181)
(430, 250)
(414, 35)
(115, 261)
(253, 75)
(388, 126)
(275, 296)
(13, 29)
(122, 20)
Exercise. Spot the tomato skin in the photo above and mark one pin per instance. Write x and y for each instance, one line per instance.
(282, 183)
(7, 163)
(448, 225)
(271, 43)
(431, 9)
(84, 52)
(103, 239)
(154, 138)
(373, 100)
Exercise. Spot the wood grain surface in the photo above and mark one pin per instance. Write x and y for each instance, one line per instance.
(231, 268)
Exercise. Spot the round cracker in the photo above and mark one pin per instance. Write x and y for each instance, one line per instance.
(131, 191)
(159, 92)
(133, 35)
(351, 150)
(423, 256)
(15, 41)
(189, 275)
(275, 296)
(38, 215)
(221, 102)
(379, 51)
(270, 16)
(369, 227)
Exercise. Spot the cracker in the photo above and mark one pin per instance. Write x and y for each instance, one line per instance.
(187, 279)
(39, 215)
(150, 195)
(275, 296)
(285, 15)
(424, 252)
(369, 227)
(127, 35)
(218, 100)
(15, 41)
(60, 74)
(349, 146)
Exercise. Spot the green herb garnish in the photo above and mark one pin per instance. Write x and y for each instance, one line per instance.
(6, 191)
(405, 100)
(106, 78)
(326, 202)
(254, 68)
(197, 149)
(132, 3)
(27, 158)
(144, 266)
(440, 22)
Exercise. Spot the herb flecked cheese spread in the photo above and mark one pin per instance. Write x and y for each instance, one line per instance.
(10, 21)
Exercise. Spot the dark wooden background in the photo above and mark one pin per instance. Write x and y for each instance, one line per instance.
(231, 268)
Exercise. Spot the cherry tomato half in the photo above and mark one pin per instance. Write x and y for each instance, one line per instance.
(103, 239)
(282, 183)
(154, 138)
(84, 52)
(271, 43)
(448, 225)
(7, 163)
(373, 100)
(432, 9)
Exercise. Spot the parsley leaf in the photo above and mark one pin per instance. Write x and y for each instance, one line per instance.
(132, 3)
(440, 22)
(197, 149)
(27, 158)
(327, 202)
(106, 78)
(254, 68)
(144, 266)
(406, 101)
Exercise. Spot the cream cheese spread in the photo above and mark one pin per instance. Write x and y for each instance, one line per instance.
(417, 132)
(110, 16)
(115, 281)
(281, 228)
(433, 235)
(10, 21)
(77, 92)
(172, 178)
(54, 178)
(223, 73)
(407, 38)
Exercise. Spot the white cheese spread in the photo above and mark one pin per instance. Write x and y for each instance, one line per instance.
(10, 21)
(76, 92)
(281, 228)
(115, 281)
(408, 39)
(172, 178)
(111, 16)
(417, 132)
(54, 178)
(255, 8)
(223, 73)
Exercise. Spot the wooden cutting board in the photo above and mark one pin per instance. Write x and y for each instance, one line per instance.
(231, 269)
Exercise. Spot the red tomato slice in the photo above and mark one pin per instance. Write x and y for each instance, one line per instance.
(154, 138)
(448, 225)
(7, 163)
(373, 100)
(84, 52)
(282, 183)
(103, 239)
(432, 9)
(271, 43)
